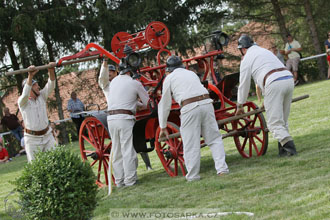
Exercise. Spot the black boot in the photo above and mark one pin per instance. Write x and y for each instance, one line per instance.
(290, 148)
(281, 151)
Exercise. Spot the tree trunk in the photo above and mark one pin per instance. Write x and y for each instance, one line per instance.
(280, 19)
(13, 58)
(63, 132)
(317, 46)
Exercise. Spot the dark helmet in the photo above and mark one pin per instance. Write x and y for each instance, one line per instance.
(25, 80)
(173, 62)
(245, 41)
(112, 68)
(123, 68)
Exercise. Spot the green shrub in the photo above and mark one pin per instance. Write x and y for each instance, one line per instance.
(309, 70)
(57, 185)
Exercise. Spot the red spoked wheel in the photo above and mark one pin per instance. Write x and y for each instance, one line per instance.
(157, 35)
(119, 41)
(95, 148)
(170, 152)
(252, 133)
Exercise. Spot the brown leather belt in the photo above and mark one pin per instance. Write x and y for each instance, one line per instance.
(271, 72)
(38, 133)
(120, 111)
(194, 99)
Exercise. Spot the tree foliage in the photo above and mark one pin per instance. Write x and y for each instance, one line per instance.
(39, 31)
(290, 16)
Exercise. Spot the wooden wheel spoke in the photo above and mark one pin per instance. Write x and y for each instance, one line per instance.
(170, 142)
(241, 124)
(253, 121)
(176, 167)
(182, 166)
(180, 148)
(99, 170)
(93, 163)
(244, 143)
(169, 162)
(105, 162)
(250, 148)
(108, 146)
(88, 151)
(89, 130)
(105, 169)
(258, 138)
(254, 145)
(177, 144)
(91, 135)
(88, 140)
(98, 136)
(102, 137)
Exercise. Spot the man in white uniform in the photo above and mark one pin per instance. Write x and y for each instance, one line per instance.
(104, 82)
(197, 117)
(32, 105)
(276, 83)
(122, 104)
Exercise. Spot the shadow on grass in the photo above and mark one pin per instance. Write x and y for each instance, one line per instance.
(312, 143)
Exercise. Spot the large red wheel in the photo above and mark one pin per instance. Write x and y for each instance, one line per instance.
(119, 41)
(95, 147)
(157, 35)
(170, 152)
(252, 134)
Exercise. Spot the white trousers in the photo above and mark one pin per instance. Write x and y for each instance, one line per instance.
(277, 101)
(35, 143)
(124, 156)
(201, 121)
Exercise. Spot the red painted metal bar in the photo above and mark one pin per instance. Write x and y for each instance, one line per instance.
(82, 56)
(103, 51)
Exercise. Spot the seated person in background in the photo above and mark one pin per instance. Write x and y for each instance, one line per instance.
(12, 123)
(75, 106)
(4, 156)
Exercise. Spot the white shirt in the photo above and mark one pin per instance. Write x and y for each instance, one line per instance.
(104, 81)
(34, 112)
(294, 44)
(125, 92)
(181, 84)
(256, 63)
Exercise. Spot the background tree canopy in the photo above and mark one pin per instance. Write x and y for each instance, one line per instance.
(39, 31)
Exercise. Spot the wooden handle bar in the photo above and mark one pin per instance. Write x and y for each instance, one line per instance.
(84, 59)
(236, 117)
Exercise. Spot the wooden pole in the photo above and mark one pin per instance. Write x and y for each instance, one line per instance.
(64, 63)
(236, 117)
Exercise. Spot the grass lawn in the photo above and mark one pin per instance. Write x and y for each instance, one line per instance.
(269, 187)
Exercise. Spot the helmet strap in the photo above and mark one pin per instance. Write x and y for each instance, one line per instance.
(241, 49)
